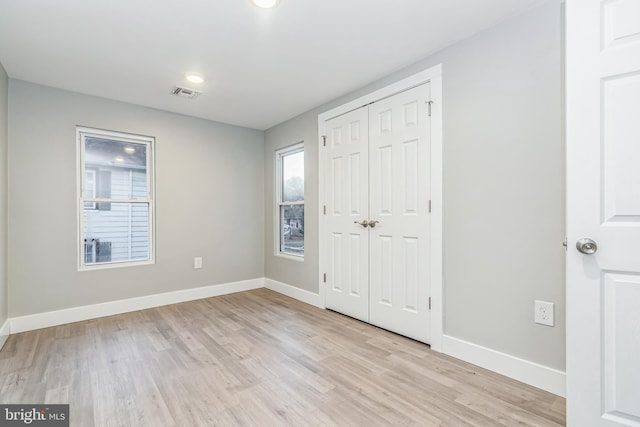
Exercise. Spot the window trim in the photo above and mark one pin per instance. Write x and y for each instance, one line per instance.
(149, 141)
(278, 203)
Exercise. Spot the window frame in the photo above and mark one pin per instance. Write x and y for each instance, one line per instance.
(81, 134)
(278, 203)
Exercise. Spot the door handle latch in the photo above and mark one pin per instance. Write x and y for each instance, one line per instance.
(586, 246)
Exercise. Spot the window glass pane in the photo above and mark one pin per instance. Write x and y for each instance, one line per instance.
(90, 184)
(120, 233)
(293, 177)
(292, 229)
(126, 162)
(90, 188)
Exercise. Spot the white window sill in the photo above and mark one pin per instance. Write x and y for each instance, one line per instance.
(290, 257)
(115, 264)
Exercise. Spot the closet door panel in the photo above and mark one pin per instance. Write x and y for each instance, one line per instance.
(347, 160)
(399, 200)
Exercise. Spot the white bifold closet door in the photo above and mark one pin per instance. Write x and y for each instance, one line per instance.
(378, 173)
(347, 202)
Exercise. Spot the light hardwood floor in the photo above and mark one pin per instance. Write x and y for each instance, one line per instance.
(256, 358)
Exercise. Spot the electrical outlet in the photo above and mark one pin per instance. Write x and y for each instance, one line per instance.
(543, 313)
(197, 262)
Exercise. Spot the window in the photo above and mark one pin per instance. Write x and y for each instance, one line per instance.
(290, 201)
(115, 199)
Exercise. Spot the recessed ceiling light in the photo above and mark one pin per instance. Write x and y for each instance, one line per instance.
(266, 4)
(195, 78)
(129, 150)
(119, 159)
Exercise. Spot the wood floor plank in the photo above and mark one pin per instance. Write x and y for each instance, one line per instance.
(257, 358)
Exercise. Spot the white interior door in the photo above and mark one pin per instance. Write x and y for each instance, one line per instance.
(603, 204)
(399, 193)
(376, 169)
(346, 161)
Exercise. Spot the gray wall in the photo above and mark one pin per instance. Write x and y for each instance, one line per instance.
(208, 201)
(4, 138)
(302, 274)
(503, 185)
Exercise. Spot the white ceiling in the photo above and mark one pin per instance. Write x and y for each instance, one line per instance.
(262, 66)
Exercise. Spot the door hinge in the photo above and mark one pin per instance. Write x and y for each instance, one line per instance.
(324, 141)
(324, 209)
(429, 104)
(324, 277)
(429, 205)
(429, 303)
(565, 244)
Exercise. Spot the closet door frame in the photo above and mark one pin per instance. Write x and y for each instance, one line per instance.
(432, 75)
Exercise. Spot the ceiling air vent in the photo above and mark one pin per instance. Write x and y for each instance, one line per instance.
(185, 92)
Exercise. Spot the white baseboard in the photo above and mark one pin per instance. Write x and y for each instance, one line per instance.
(76, 314)
(543, 377)
(4, 332)
(294, 292)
